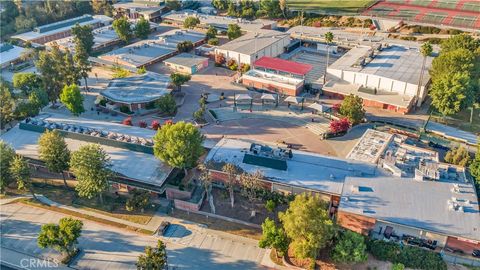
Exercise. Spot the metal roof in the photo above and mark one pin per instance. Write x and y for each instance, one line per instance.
(186, 60)
(137, 89)
(424, 205)
(306, 170)
(283, 65)
(252, 43)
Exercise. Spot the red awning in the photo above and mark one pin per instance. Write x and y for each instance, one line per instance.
(283, 65)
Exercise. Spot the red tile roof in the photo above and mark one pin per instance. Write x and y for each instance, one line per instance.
(283, 65)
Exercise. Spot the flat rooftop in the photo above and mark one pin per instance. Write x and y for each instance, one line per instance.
(101, 36)
(62, 26)
(371, 146)
(143, 52)
(219, 21)
(345, 88)
(9, 53)
(140, 7)
(306, 170)
(249, 44)
(137, 89)
(186, 60)
(150, 170)
(394, 62)
(443, 207)
(144, 133)
(347, 37)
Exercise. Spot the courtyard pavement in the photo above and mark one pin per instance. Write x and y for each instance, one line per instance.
(104, 247)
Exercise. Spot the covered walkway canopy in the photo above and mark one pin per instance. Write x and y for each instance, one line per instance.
(295, 100)
(319, 107)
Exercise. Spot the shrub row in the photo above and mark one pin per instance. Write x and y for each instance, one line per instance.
(412, 257)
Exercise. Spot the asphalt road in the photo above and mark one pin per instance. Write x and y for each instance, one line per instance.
(103, 247)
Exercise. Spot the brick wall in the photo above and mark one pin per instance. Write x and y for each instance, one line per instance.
(272, 88)
(173, 194)
(187, 206)
(356, 223)
(371, 103)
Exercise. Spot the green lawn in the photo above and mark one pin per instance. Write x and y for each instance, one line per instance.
(330, 6)
(461, 120)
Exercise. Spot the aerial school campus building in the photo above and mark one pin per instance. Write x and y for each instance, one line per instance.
(386, 187)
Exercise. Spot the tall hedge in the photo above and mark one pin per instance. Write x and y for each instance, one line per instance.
(412, 257)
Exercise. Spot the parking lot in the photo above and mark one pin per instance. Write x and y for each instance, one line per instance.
(105, 247)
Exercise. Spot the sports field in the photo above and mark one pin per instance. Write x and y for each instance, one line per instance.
(330, 6)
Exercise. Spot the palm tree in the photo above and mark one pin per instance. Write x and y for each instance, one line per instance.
(426, 50)
(328, 39)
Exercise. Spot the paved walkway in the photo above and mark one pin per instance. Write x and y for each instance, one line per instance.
(281, 113)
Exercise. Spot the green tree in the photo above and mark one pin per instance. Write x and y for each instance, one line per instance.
(270, 205)
(70, 72)
(271, 8)
(461, 41)
(352, 108)
(27, 82)
(251, 184)
(62, 237)
(328, 38)
(38, 98)
(90, 164)
(452, 93)
(185, 46)
(83, 35)
(25, 109)
(139, 200)
(307, 223)
(73, 99)
(179, 145)
(211, 32)
(426, 50)
(53, 151)
(205, 178)
(458, 156)
(273, 237)
(20, 172)
(82, 62)
(179, 79)
(220, 4)
(102, 7)
(24, 24)
(7, 154)
(283, 7)
(350, 248)
(173, 4)
(190, 22)
(459, 60)
(142, 28)
(398, 266)
(49, 65)
(475, 165)
(233, 31)
(154, 258)
(7, 105)
(213, 41)
(231, 171)
(167, 104)
(123, 29)
(232, 9)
